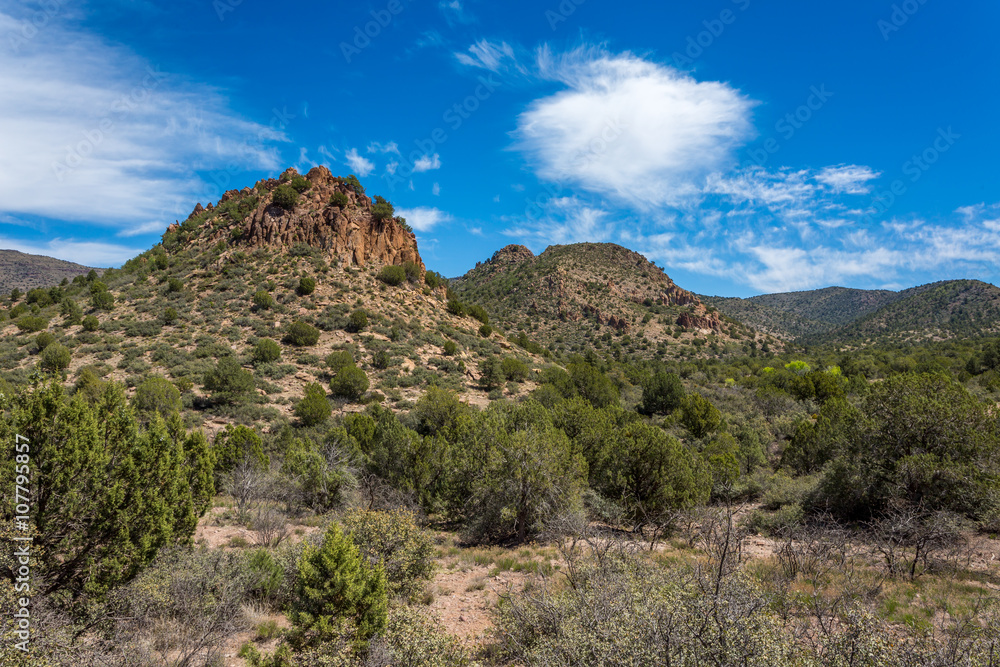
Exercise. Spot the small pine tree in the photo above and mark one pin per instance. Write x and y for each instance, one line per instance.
(336, 586)
(306, 286)
(90, 323)
(302, 334)
(266, 351)
(358, 320)
(285, 196)
(55, 357)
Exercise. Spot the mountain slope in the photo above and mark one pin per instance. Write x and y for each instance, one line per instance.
(245, 270)
(595, 294)
(23, 271)
(949, 309)
(807, 313)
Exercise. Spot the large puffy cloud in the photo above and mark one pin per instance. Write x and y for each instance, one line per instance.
(628, 128)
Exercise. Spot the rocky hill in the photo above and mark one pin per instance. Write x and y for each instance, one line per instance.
(596, 294)
(25, 272)
(302, 272)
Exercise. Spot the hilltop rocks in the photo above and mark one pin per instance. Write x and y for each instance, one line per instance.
(350, 233)
(512, 254)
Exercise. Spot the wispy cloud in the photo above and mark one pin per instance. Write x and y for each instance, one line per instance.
(93, 132)
(849, 179)
(88, 253)
(361, 165)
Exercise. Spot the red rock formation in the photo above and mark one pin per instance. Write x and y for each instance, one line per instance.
(350, 233)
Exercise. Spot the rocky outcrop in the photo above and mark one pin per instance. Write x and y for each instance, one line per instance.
(512, 254)
(693, 321)
(348, 232)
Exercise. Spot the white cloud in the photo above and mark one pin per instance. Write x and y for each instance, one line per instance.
(377, 147)
(436, 190)
(758, 186)
(565, 220)
(88, 253)
(630, 128)
(427, 163)
(424, 219)
(455, 12)
(849, 179)
(361, 166)
(93, 132)
(493, 56)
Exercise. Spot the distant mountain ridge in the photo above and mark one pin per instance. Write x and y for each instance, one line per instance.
(25, 272)
(946, 309)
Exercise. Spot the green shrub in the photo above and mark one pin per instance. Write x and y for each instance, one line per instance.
(266, 351)
(434, 279)
(300, 184)
(450, 348)
(486, 331)
(90, 323)
(306, 286)
(302, 334)
(18, 310)
(382, 210)
(314, 408)
(285, 196)
(338, 359)
(157, 394)
(358, 320)
(31, 323)
(335, 584)
(479, 313)
(491, 373)
(405, 551)
(699, 416)
(228, 379)
(170, 316)
(350, 383)
(43, 340)
(662, 393)
(392, 275)
(381, 359)
(263, 300)
(233, 445)
(456, 307)
(413, 271)
(339, 199)
(103, 300)
(55, 357)
(514, 370)
(175, 285)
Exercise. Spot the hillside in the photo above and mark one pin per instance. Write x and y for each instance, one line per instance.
(808, 313)
(938, 311)
(944, 310)
(597, 295)
(246, 270)
(23, 271)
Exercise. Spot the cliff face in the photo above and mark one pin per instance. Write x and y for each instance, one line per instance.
(349, 232)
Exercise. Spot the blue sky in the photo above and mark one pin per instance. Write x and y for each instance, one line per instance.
(744, 146)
